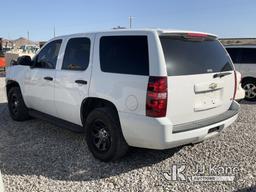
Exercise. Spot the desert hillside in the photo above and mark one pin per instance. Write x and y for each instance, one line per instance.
(238, 41)
(18, 42)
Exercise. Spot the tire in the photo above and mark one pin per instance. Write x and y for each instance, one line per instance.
(17, 108)
(249, 86)
(104, 135)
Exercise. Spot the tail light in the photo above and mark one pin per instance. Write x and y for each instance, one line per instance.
(156, 102)
(234, 96)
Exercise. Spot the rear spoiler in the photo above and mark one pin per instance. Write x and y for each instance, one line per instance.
(191, 36)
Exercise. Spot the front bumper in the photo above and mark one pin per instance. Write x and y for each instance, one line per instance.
(160, 133)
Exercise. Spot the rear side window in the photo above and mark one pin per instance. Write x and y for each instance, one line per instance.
(248, 55)
(188, 57)
(124, 54)
(77, 54)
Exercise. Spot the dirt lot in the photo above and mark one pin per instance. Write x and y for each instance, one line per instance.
(37, 156)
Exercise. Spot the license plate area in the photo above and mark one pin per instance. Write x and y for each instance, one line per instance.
(207, 100)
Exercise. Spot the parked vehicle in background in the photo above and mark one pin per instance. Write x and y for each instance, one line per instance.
(2, 58)
(154, 89)
(12, 55)
(29, 49)
(244, 58)
(240, 93)
(2, 61)
(6, 49)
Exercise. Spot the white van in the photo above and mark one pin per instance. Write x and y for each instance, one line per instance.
(244, 58)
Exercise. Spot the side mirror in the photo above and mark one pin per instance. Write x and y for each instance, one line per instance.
(24, 60)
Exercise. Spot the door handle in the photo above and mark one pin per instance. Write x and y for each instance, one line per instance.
(82, 82)
(48, 78)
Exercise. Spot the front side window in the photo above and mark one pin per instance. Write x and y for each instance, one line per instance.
(77, 54)
(47, 57)
(124, 55)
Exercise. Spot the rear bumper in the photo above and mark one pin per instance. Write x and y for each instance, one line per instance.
(159, 133)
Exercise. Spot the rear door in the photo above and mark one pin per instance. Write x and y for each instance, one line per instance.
(73, 77)
(196, 90)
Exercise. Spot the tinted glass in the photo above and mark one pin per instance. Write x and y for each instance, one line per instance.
(187, 57)
(248, 55)
(47, 57)
(77, 54)
(124, 54)
(234, 54)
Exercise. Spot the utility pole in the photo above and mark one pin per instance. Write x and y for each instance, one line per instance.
(54, 32)
(130, 21)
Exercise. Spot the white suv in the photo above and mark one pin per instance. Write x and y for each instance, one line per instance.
(244, 58)
(145, 88)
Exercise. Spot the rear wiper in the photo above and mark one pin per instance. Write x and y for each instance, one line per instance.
(220, 75)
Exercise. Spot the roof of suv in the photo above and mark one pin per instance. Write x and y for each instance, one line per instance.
(159, 31)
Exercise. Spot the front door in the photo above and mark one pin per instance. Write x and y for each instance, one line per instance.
(40, 80)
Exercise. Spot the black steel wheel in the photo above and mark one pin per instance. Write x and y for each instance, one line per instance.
(17, 108)
(104, 135)
(100, 136)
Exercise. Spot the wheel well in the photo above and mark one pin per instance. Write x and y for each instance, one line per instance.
(89, 104)
(248, 79)
(10, 84)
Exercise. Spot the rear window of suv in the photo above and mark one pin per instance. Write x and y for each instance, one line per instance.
(124, 54)
(188, 57)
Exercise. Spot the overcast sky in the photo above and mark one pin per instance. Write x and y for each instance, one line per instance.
(226, 18)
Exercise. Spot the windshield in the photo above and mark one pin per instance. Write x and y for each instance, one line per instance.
(187, 57)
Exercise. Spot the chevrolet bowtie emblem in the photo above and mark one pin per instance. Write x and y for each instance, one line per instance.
(213, 86)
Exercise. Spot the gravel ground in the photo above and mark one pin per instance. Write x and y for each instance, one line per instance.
(37, 156)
